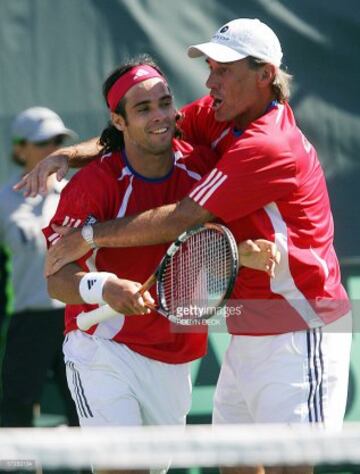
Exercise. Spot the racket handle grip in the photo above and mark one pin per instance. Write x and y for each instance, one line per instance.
(85, 320)
(148, 284)
(145, 287)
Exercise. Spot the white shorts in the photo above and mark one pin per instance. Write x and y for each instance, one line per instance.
(114, 386)
(299, 377)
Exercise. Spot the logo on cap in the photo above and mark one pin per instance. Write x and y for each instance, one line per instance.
(224, 28)
(140, 73)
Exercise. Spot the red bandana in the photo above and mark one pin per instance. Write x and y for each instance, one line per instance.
(126, 81)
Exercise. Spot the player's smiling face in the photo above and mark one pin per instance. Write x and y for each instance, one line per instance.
(150, 117)
(233, 87)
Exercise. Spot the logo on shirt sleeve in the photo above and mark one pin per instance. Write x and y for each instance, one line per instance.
(71, 222)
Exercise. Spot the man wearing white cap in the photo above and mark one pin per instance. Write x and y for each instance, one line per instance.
(39, 124)
(35, 333)
(287, 361)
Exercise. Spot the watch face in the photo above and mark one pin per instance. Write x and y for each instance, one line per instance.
(90, 220)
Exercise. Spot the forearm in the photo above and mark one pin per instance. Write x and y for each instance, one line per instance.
(82, 153)
(64, 284)
(154, 226)
(151, 227)
(122, 295)
(160, 225)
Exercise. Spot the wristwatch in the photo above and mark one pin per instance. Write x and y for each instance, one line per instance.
(87, 233)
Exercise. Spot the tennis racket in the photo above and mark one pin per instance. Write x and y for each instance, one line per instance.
(193, 280)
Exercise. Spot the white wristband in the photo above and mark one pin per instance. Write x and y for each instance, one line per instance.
(91, 287)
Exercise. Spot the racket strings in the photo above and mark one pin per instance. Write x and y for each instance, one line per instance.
(198, 274)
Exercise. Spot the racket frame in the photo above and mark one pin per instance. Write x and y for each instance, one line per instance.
(174, 248)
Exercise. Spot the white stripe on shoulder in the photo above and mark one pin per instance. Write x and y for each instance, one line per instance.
(71, 222)
(281, 109)
(53, 236)
(214, 177)
(125, 172)
(177, 154)
(220, 137)
(55, 240)
(125, 201)
(283, 283)
(192, 174)
(321, 261)
(204, 183)
(106, 155)
(212, 190)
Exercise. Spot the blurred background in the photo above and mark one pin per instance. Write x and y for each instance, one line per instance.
(56, 53)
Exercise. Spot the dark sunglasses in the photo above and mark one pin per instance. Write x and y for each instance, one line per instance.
(57, 141)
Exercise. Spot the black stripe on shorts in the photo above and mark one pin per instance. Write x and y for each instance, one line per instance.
(81, 402)
(315, 375)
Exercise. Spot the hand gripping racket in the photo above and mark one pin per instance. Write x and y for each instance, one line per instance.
(193, 280)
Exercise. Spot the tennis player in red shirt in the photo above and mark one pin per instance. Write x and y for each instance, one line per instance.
(130, 370)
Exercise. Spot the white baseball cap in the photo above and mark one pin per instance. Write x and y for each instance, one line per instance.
(238, 39)
(38, 124)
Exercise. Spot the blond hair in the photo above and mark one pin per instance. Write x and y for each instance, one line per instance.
(281, 82)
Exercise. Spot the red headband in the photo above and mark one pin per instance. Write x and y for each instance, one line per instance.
(126, 81)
